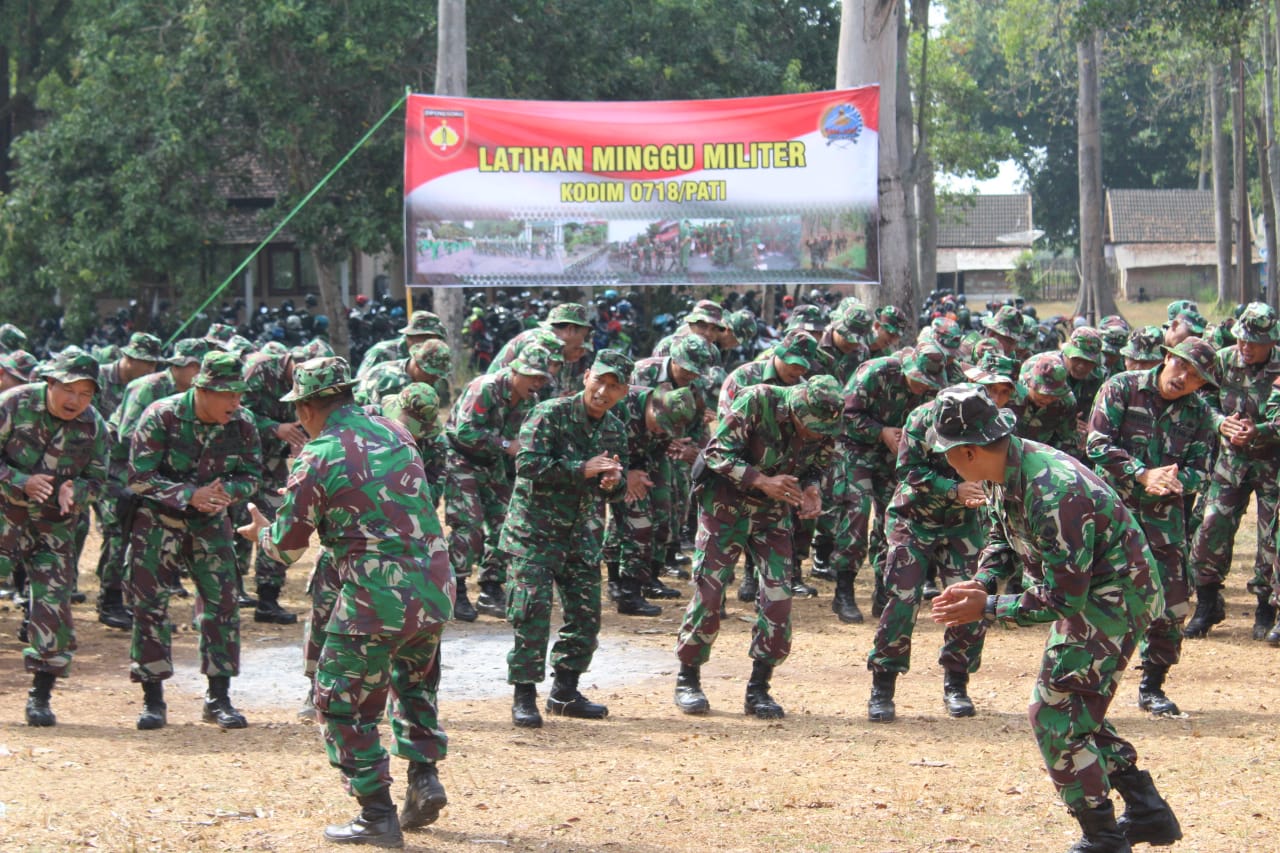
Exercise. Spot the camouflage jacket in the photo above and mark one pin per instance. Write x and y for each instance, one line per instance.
(925, 480)
(390, 377)
(1086, 390)
(644, 448)
(172, 453)
(433, 452)
(555, 513)
(877, 397)
(662, 349)
(1053, 425)
(359, 485)
(392, 349)
(111, 389)
(268, 380)
(655, 372)
(1132, 428)
(138, 394)
(748, 375)
(32, 441)
(484, 416)
(511, 349)
(757, 438)
(1066, 529)
(1245, 389)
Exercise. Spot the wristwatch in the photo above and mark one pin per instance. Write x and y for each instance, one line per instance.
(506, 445)
(989, 611)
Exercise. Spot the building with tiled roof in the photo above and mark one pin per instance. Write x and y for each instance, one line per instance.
(980, 238)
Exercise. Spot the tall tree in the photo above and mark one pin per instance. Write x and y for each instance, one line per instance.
(1096, 298)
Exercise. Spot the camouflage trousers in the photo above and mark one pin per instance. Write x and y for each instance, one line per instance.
(356, 675)
(1083, 659)
(322, 587)
(46, 550)
(629, 539)
(862, 500)
(529, 586)
(111, 558)
(1162, 642)
(669, 499)
(163, 546)
(1234, 479)
(475, 499)
(912, 547)
(764, 531)
(266, 571)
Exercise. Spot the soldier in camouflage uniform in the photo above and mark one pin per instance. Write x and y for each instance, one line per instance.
(1185, 320)
(481, 432)
(740, 330)
(1247, 463)
(15, 369)
(422, 326)
(932, 518)
(53, 465)
(886, 331)
(12, 339)
(359, 483)
(1046, 405)
(1005, 328)
(138, 358)
(430, 362)
(1149, 437)
(878, 399)
(1115, 334)
(765, 460)
(1093, 578)
(1082, 355)
(569, 322)
(191, 457)
(568, 465)
(1143, 349)
(706, 320)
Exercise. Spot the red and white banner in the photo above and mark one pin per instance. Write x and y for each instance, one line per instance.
(770, 189)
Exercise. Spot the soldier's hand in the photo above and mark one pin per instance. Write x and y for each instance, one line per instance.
(211, 498)
(638, 485)
(970, 495)
(513, 447)
(602, 464)
(683, 449)
(892, 437)
(38, 487)
(257, 521)
(293, 434)
(811, 503)
(783, 488)
(960, 604)
(1246, 433)
(66, 497)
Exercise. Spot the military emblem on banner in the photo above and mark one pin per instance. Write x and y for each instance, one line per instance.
(841, 125)
(444, 131)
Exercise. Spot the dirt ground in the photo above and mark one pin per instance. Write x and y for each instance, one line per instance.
(648, 778)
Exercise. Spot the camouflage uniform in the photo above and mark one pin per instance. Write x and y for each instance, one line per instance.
(553, 530)
(1053, 425)
(266, 378)
(173, 453)
(1085, 343)
(37, 536)
(569, 378)
(422, 325)
(359, 484)
(11, 339)
(432, 357)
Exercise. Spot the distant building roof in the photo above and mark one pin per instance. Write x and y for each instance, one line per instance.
(1160, 216)
(980, 221)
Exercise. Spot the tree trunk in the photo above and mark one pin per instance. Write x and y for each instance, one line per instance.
(1206, 127)
(330, 285)
(1244, 220)
(1221, 181)
(907, 154)
(451, 79)
(1100, 300)
(868, 54)
(1269, 155)
(926, 212)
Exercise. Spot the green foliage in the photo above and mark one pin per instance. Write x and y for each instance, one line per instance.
(1022, 278)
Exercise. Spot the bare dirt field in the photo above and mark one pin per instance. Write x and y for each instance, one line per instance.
(648, 778)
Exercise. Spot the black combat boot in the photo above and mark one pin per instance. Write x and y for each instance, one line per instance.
(631, 602)
(564, 700)
(758, 702)
(1147, 818)
(689, 695)
(955, 694)
(38, 711)
(880, 708)
(930, 589)
(1210, 610)
(1273, 636)
(800, 589)
(1264, 616)
(1101, 834)
(462, 609)
(677, 560)
(652, 587)
(217, 705)
(155, 713)
(823, 545)
(424, 796)
(614, 575)
(524, 708)
(879, 597)
(491, 601)
(113, 613)
(376, 825)
(244, 599)
(269, 609)
(843, 605)
(750, 586)
(1151, 691)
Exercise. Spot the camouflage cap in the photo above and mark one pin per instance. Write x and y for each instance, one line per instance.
(615, 362)
(221, 332)
(1144, 344)
(1046, 373)
(189, 351)
(693, 353)
(317, 378)
(534, 360)
(797, 348)
(675, 409)
(706, 311)
(1003, 367)
(817, 404)
(72, 366)
(947, 334)
(852, 319)
(1193, 318)
(12, 338)
(106, 353)
(1114, 321)
(966, 414)
(892, 320)
(742, 324)
(1114, 338)
(1256, 324)
(241, 345)
(568, 312)
(1007, 322)
(810, 318)
(433, 356)
(424, 323)
(982, 346)
(1030, 331)
(1198, 353)
(316, 348)
(1179, 306)
(1085, 342)
(275, 349)
(927, 364)
(417, 406)
(548, 339)
(19, 364)
(221, 371)
(1223, 334)
(144, 347)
